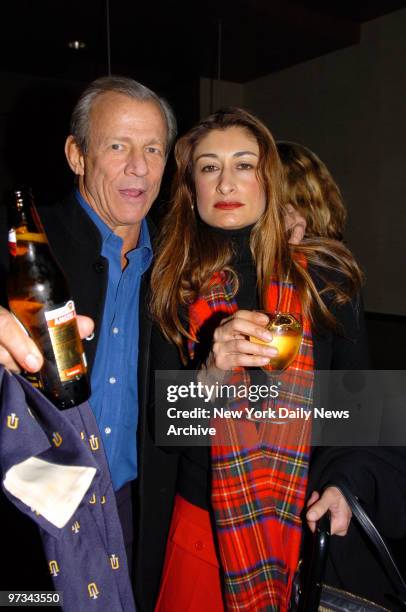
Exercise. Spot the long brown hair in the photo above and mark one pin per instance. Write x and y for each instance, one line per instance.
(188, 254)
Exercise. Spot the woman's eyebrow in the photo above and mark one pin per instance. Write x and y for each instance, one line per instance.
(236, 154)
(241, 153)
(206, 155)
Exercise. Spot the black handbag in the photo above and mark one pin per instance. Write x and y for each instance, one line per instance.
(310, 594)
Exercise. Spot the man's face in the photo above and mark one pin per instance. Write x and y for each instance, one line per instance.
(121, 172)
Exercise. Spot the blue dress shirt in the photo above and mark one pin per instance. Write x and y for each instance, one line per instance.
(114, 397)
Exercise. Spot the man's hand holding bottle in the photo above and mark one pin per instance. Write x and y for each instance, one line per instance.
(18, 351)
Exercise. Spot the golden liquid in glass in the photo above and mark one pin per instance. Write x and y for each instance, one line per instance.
(287, 336)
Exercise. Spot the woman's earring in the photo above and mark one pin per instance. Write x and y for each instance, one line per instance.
(192, 206)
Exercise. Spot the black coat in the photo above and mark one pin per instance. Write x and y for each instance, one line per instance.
(76, 243)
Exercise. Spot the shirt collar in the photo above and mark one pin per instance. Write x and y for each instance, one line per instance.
(144, 240)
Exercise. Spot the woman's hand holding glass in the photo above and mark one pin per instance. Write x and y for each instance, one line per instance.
(231, 345)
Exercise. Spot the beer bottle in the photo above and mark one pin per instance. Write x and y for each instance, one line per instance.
(39, 298)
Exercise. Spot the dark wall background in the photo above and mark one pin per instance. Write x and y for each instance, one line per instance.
(34, 131)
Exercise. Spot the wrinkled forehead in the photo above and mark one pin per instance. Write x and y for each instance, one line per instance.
(120, 114)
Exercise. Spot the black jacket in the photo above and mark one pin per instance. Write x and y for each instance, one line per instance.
(76, 243)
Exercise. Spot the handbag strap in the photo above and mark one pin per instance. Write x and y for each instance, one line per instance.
(308, 597)
(375, 538)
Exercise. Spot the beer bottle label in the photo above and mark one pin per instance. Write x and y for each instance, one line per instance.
(65, 341)
(12, 242)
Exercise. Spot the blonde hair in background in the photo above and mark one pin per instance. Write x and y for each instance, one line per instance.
(312, 191)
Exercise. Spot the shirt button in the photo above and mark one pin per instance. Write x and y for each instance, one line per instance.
(99, 266)
(112, 380)
(199, 545)
(107, 430)
(115, 330)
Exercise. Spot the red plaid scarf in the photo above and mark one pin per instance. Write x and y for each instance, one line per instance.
(259, 474)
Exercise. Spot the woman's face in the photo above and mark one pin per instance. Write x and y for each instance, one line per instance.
(228, 192)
